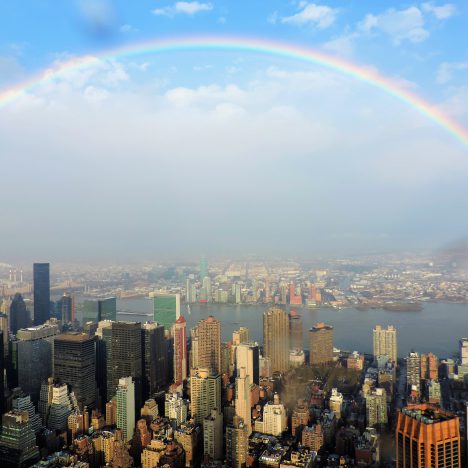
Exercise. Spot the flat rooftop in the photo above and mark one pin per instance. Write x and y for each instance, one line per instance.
(427, 414)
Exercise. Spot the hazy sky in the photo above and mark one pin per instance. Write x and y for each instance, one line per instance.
(230, 152)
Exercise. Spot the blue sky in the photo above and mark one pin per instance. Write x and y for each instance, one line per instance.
(231, 151)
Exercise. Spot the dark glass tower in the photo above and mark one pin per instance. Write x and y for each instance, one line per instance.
(41, 293)
(19, 315)
(75, 365)
(155, 360)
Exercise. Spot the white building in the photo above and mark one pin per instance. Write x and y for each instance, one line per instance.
(176, 408)
(126, 407)
(243, 400)
(275, 420)
(336, 402)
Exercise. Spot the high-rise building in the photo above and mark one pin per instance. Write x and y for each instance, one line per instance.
(429, 366)
(19, 314)
(179, 333)
(205, 393)
(2, 375)
(413, 371)
(206, 345)
(240, 336)
(276, 338)
(275, 419)
(66, 308)
(247, 356)
(17, 440)
(166, 309)
(34, 357)
(75, 365)
(294, 299)
(295, 331)
(213, 435)
(41, 293)
(376, 408)
(122, 356)
(96, 310)
(243, 398)
(427, 436)
(385, 343)
(125, 397)
(190, 291)
(4, 329)
(312, 437)
(464, 351)
(176, 408)
(22, 402)
(336, 402)
(154, 359)
(321, 344)
(237, 446)
(300, 417)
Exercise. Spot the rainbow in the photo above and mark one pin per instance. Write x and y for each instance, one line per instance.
(253, 45)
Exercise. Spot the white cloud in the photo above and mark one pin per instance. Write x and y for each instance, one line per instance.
(400, 25)
(446, 71)
(342, 45)
(127, 28)
(185, 8)
(441, 12)
(321, 16)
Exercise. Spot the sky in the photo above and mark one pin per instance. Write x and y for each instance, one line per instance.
(227, 151)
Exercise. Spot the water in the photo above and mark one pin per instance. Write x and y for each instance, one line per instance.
(436, 328)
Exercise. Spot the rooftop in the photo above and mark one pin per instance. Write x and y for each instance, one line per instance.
(427, 414)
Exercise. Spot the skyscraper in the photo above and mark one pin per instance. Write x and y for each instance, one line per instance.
(429, 366)
(19, 314)
(125, 397)
(276, 338)
(243, 399)
(154, 359)
(385, 343)
(180, 350)
(34, 357)
(321, 344)
(413, 370)
(166, 309)
(75, 365)
(122, 357)
(213, 435)
(2, 374)
(206, 351)
(41, 293)
(427, 436)
(247, 356)
(205, 393)
(237, 443)
(295, 331)
(66, 308)
(240, 336)
(376, 408)
(95, 310)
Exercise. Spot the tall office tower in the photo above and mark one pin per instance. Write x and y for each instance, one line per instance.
(166, 309)
(276, 338)
(4, 328)
(205, 393)
(413, 370)
(95, 310)
(243, 399)
(385, 343)
(17, 440)
(336, 402)
(294, 299)
(238, 293)
(75, 365)
(321, 344)
(22, 402)
(41, 290)
(154, 359)
(240, 336)
(247, 356)
(66, 308)
(207, 352)
(56, 404)
(34, 357)
(175, 408)
(19, 314)
(429, 367)
(213, 435)
(126, 407)
(275, 419)
(122, 356)
(376, 408)
(237, 444)
(427, 436)
(295, 331)
(464, 351)
(203, 268)
(190, 291)
(179, 332)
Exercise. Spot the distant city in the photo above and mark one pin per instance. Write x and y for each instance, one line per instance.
(235, 363)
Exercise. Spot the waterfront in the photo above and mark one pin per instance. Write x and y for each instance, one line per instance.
(437, 327)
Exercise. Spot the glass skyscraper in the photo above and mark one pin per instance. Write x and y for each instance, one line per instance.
(99, 309)
(166, 309)
(41, 286)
